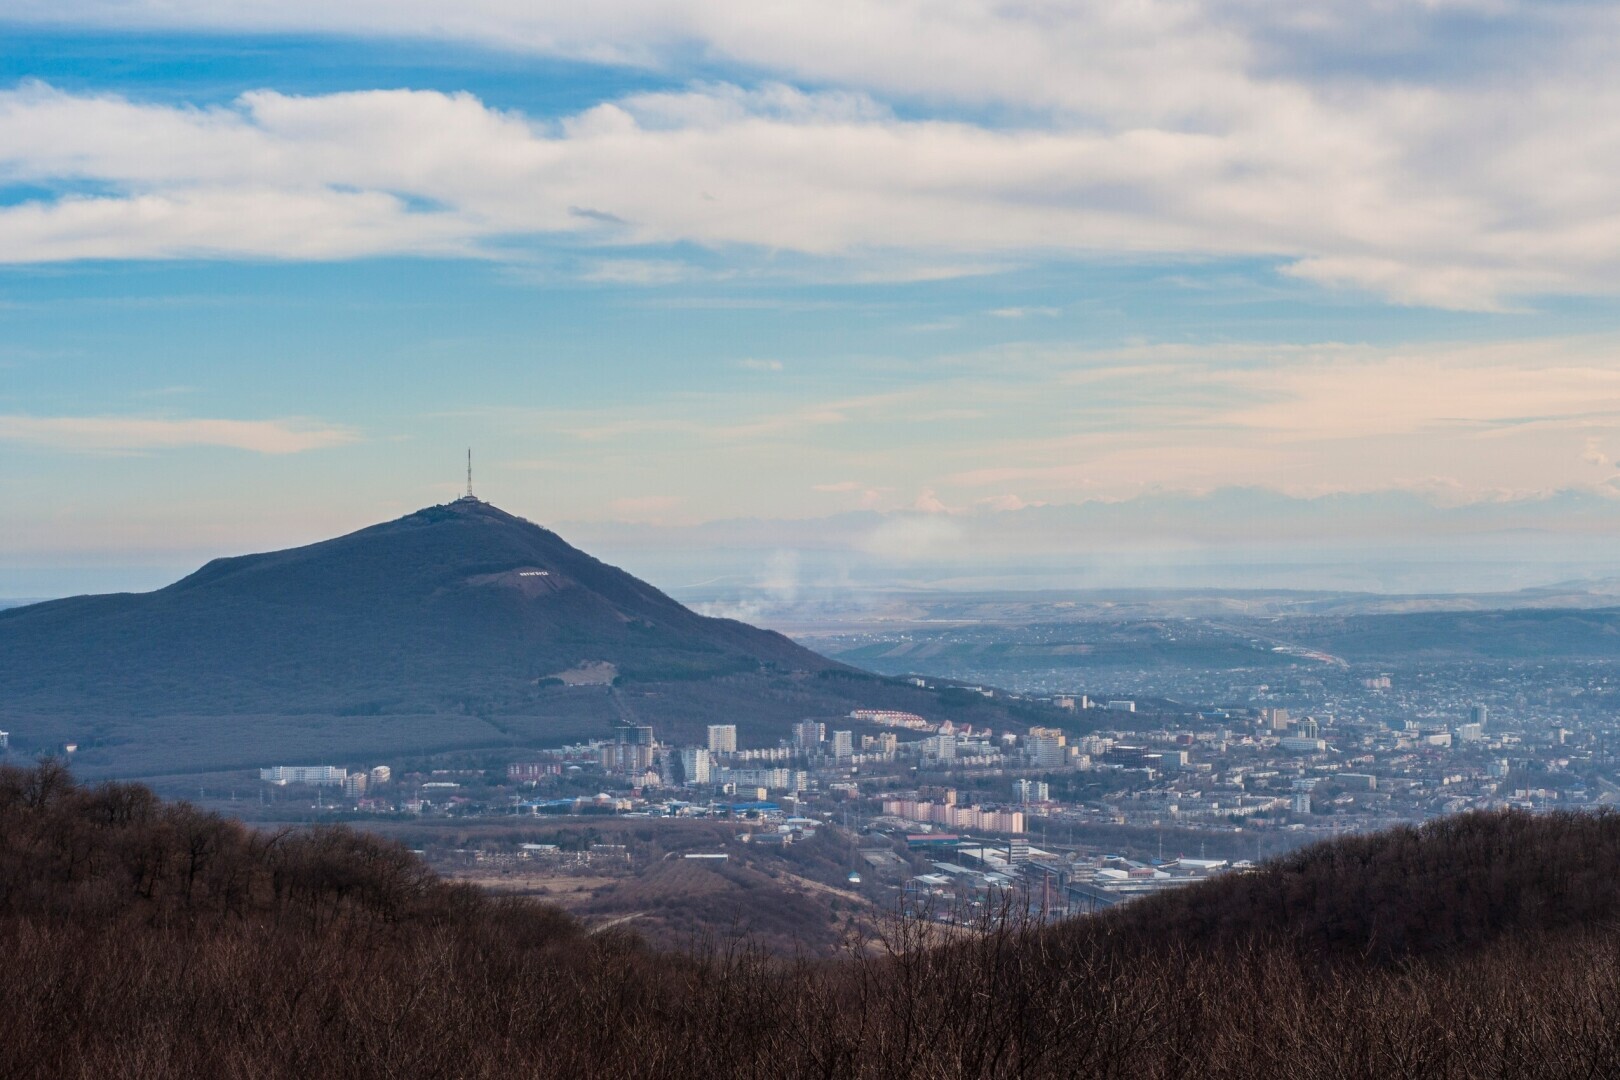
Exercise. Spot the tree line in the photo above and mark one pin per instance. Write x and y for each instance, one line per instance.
(146, 938)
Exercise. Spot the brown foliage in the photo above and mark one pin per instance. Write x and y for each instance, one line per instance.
(1423, 890)
(144, 939)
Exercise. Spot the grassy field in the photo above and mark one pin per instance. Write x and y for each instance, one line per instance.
(784, 899)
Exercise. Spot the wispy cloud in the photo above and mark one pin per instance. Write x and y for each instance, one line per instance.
(753, 364)
(1026, 426)
(1024, 312)
(124, 434)
(729, 420)
(640, 272)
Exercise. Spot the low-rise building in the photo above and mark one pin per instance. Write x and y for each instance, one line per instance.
(321, 775)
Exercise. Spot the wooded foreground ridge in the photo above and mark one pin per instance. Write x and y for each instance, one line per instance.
(144, 938)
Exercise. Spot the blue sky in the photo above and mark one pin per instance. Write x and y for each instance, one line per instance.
(933, 293)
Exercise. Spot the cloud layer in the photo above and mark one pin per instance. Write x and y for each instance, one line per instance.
(1010, 427)
(122, 434)
(1184, 128)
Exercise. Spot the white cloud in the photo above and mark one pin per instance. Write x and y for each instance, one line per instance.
(223, 223)
(1463, 194)
(1004, 503)
(637, 272)
(754, 364)
(1477, 286)
(929, 502)
(111, 434)
(1023, 312)
(1017, 53)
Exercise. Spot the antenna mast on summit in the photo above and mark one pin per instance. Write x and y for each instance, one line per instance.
(469, 472)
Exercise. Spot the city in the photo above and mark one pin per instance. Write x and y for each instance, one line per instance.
(1124, 798)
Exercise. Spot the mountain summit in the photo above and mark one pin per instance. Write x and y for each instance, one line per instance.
(456, 615)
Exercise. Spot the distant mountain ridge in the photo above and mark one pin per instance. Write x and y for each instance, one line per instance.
(456, 625)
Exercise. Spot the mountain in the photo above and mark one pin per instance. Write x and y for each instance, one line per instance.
(457, 626)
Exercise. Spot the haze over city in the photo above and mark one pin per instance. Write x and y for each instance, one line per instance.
(1008, 296)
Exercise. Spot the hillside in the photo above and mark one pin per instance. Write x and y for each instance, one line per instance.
(459, 626)
(449, 602)
(1097, 650)
(149, 939)
(1540, 634)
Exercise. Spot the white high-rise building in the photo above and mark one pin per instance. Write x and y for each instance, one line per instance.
(884, 742)
(1032, 791)
(1047, 749)
(1302, 795)
(843, 745)
(723, 738)
(694, 766)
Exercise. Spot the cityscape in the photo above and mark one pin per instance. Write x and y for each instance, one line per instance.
(1122, 798)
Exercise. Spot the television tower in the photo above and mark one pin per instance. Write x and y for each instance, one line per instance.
(469, 473)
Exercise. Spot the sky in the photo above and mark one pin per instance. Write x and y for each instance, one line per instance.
(924, 293)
